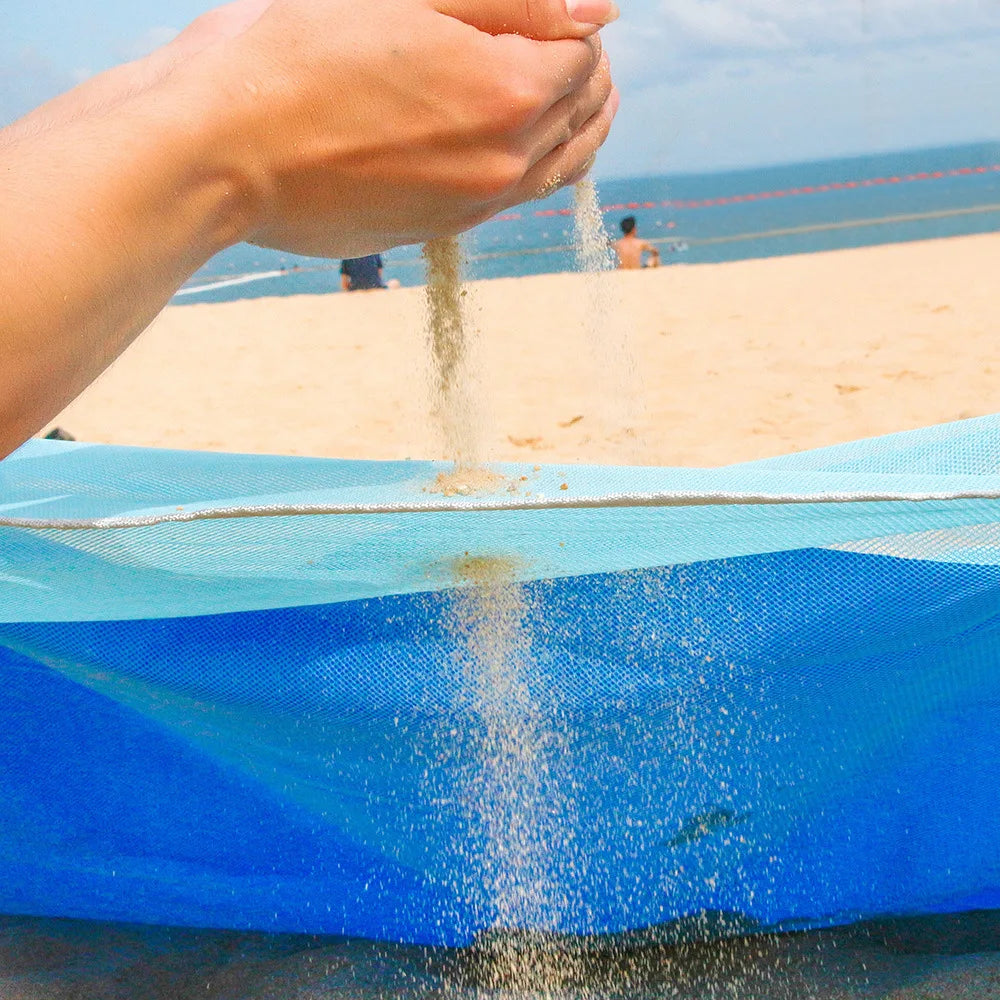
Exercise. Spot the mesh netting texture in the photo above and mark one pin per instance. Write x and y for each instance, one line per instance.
(237, 690)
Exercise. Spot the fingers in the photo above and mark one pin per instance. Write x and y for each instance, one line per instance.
(567, 116)
(540, 19)
(544, 72)
(570, 161)
(552, 123)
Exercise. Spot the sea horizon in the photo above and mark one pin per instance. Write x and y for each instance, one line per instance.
(709, 217)
(844, 157)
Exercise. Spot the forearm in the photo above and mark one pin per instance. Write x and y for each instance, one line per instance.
(106, 211)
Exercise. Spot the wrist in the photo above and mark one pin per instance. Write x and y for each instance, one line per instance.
(204, 135)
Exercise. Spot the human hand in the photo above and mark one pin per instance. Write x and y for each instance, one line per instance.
(359, 127)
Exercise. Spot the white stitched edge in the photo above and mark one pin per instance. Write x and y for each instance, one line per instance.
(490, 504)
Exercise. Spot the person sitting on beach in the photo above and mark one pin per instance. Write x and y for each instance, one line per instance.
(359, 274)
(116, 192)
(630, 248)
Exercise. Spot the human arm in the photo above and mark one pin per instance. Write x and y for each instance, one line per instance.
(654, 254)
(115, 193)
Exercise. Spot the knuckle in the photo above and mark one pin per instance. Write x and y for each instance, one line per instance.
(602, 132)
(597, 53)
(514, 105)
(603, 73)
(494, 179)
(593, 105)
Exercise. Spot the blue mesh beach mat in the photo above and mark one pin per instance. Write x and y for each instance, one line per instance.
(313, 695)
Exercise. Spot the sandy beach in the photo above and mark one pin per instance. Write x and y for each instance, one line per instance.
(684, 365)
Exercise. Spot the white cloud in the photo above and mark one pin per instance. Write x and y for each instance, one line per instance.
(738, 113)
(669, 39)
(717, 26)
(736, 26)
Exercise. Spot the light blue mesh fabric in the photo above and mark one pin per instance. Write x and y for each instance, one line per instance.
(235, 696)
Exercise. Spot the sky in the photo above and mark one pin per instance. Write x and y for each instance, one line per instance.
(706, 84)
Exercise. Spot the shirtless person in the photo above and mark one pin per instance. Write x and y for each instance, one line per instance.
(630, 248)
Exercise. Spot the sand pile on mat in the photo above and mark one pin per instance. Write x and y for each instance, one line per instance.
(733, 362)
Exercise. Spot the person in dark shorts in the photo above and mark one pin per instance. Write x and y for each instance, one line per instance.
(358, 274)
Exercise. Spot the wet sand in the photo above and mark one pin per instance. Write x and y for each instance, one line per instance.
(732, 362)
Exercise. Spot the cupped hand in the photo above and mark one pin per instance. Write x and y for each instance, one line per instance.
(364, 126)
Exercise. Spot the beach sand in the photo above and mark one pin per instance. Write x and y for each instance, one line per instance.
(686, 365)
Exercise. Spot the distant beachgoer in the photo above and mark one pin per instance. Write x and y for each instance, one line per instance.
(630, 248)
(361, 274)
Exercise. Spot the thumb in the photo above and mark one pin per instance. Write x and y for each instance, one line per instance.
(540, 19)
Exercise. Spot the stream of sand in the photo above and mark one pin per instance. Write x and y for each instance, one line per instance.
(521, 817)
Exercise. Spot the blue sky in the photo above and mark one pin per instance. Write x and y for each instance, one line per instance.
(706, 84)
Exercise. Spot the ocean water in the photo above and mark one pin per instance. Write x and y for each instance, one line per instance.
(768, 212)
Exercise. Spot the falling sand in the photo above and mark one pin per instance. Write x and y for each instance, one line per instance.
(520, 816)
(607, 327)
(454, 404)
(517, 819)
(594, 254)
(507, 790)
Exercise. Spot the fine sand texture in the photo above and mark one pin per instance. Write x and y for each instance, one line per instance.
(685, 365)
(71, 960)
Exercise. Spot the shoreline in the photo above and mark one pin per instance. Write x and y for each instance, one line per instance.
(704, 364)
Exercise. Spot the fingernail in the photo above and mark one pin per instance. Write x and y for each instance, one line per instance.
(593, 11)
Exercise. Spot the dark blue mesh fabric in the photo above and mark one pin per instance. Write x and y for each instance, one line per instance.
(795, 735)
